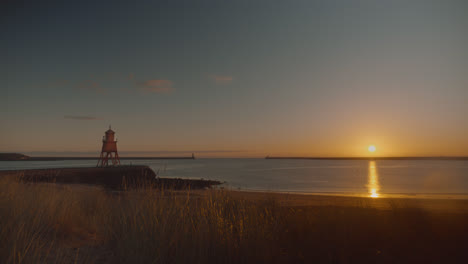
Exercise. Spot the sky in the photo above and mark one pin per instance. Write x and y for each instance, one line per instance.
(243, 78)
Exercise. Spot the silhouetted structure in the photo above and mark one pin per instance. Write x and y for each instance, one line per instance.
(109, 150)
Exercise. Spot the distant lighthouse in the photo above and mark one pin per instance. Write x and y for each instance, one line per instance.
(109, 150)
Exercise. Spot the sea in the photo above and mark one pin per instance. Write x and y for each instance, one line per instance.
(379, 178)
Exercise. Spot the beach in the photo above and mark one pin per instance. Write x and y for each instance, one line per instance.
(51, 222)
(316, 200)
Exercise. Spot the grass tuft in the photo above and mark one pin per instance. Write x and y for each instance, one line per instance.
(52, 223)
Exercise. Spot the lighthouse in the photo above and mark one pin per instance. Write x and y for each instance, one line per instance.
(109, 150)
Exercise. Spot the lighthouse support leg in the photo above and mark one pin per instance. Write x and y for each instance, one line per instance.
(100, 161)
(106, 160)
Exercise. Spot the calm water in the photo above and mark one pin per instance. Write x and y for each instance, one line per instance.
(353, 177)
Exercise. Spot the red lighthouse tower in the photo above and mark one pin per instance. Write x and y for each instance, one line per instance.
(109, 150)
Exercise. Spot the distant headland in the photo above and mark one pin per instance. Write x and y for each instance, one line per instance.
(13, 156)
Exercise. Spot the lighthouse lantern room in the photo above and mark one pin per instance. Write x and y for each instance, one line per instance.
(109, 150)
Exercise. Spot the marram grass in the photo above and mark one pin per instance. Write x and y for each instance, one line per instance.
(51, 223)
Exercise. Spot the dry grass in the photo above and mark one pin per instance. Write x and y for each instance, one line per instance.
(49, 223)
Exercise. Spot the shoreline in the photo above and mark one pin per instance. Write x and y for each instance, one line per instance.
(112, 177)
(443, 196)
(383, 203)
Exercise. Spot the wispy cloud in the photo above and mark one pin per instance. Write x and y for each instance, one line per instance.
(155, 86)
(57, 83)
(91, 85)
(99, 84)
(74, 117)
(221, 79)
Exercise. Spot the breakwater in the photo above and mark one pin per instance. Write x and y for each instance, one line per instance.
(22, 157)
(120, 177)
(368, 158)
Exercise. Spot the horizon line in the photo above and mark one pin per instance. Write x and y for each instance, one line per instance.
(257, 157)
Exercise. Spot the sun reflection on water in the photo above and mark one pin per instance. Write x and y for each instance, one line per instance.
(373, 185)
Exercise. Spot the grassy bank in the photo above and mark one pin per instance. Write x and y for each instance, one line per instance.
(110, 177)
(79, 224)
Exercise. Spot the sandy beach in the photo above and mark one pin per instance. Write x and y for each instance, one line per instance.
(46, 222)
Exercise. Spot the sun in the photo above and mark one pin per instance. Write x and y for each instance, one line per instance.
(372, 148)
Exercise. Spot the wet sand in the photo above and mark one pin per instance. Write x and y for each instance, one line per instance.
(319, 200)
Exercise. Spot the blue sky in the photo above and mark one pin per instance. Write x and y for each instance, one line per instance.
(235, 78)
